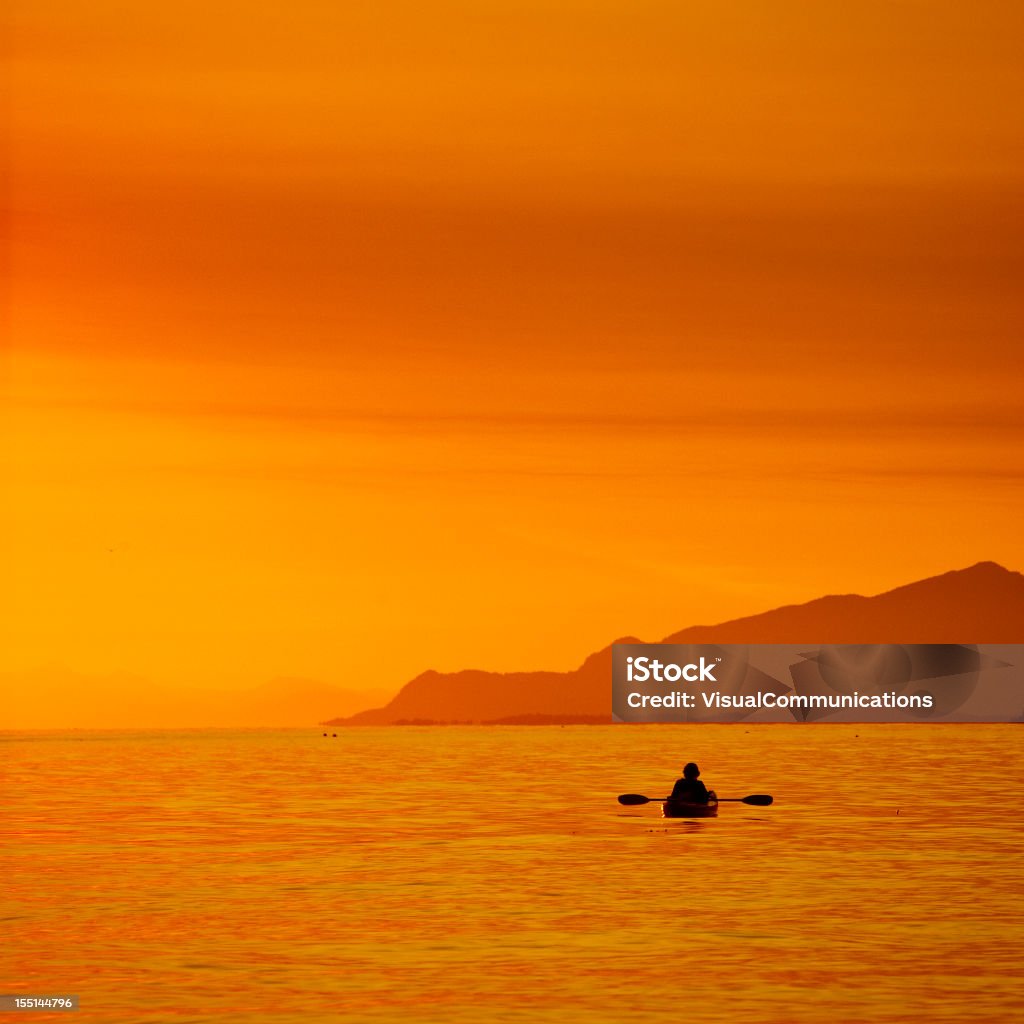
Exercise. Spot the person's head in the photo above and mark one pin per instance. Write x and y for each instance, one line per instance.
(691, 771)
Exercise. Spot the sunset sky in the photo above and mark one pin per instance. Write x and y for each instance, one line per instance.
(349, 340)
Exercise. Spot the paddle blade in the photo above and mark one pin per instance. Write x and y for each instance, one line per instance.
(633, 798)
(759, 800)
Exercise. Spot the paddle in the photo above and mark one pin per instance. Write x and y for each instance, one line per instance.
(756, 799)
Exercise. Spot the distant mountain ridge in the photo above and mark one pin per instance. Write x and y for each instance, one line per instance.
(49, 697)
(980, 604)
(473, 695)
(983, 604)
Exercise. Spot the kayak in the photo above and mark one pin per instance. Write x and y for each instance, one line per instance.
(679, 809)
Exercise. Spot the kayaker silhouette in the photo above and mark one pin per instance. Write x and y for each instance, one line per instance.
(689, 789)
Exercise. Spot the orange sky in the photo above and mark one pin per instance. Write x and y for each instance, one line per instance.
(471, 334)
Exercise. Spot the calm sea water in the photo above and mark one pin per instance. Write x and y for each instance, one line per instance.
(488, 874)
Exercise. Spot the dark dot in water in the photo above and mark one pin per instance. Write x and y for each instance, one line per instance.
(334, 735)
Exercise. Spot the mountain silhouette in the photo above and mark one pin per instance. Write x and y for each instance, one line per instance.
(980, 604)
(478, 696)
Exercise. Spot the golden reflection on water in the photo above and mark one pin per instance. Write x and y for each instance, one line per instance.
(487, 874)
